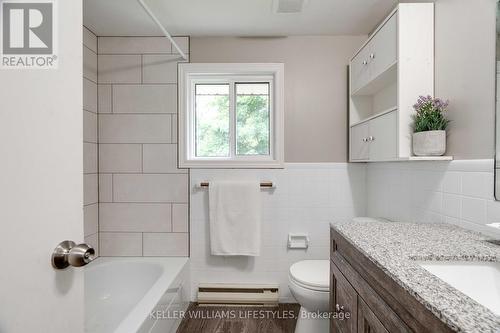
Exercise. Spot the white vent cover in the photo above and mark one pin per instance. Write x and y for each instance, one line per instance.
(288, 6)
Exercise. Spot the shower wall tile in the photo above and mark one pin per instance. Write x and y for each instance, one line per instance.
(89, 95)
(104, 94)
(135, 217)
(120, 244)
(90, 40)
(166, 244)
(145, 98)
(89, 64)
(160, 68)
(134, 45)
(119, 68)
(105, 187)
(90, 219)
(120, 158)
(160, 158)
(89, 126)
(141, 191)
(89, 157)
(90, 146)
(150, 188)
(180, 217)
(135, 128)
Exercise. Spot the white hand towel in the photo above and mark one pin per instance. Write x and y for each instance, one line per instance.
(235, 213)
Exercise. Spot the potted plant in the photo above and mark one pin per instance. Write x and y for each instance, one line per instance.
(429, 137)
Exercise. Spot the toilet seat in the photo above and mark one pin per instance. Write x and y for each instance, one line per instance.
(311, 274)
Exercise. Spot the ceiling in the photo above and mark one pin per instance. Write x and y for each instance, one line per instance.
(234, 17)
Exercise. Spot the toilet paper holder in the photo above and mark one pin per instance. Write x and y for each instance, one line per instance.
(298, 241)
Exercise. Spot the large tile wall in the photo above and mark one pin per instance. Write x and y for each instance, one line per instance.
(90, 147)
(306, 199)
(143, 196)
(457, 192)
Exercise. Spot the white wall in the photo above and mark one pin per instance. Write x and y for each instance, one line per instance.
(41, 186)
(457, 192)
(306, 199)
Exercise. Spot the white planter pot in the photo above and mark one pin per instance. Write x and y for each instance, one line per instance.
(429, 143)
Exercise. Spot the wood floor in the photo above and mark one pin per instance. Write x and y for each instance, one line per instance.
(240, 319)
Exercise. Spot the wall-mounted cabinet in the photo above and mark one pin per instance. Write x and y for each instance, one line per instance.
(392, 68)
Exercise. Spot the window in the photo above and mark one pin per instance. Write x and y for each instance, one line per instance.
(231, 115)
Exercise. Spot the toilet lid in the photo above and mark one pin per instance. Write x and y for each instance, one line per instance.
(312, 274)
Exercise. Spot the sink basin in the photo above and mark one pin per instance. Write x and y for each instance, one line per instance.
(478, 280)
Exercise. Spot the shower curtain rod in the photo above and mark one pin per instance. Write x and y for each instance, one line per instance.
(162, 28)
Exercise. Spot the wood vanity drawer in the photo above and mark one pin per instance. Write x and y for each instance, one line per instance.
(393, 306)
(344, 301)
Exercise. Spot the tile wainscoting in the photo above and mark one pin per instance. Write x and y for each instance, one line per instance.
(305, 199)
(458, 192)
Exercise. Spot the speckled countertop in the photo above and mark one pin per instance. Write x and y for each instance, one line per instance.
(394, 246)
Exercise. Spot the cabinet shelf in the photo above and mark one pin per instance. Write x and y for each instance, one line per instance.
(384, 79)
(378, 114)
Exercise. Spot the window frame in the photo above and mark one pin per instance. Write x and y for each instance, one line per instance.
(191, 74)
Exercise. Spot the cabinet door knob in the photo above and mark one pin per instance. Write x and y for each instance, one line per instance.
(339, 308)
(372, 55)
(365, 62)
(365, 139)
(371, 138)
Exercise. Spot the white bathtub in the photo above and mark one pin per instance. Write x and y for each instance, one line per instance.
(121, 294)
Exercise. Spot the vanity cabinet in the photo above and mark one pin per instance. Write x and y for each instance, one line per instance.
(375, 303)
(386, 76)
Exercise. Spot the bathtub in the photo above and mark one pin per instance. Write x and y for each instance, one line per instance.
(124, 294)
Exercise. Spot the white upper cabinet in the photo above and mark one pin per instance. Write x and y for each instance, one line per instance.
(392, 68)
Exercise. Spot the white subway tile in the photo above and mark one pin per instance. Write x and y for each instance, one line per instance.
(474, 210)
(133, 45)
(89, 157)
(120, 158)
(89, 39)
(145, 98)
(89, 127)
(114, 128)
(89, 95)
(90, 189)
(474, 184)
(105, 187)
(90, 219)
(104, 98)
(160, 68)
(452, 182)
(451, 205)
(135, 217)
(119, 69)
(121, 244)
(160, 158)
(89, 64)
(180, 217)
(166, 244)
(150, 188)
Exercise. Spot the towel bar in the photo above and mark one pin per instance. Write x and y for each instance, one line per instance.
(266, 184)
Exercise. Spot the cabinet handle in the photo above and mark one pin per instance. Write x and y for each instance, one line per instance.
(372, 55)
(339, 308)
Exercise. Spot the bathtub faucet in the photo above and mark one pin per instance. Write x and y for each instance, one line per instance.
(67, 253)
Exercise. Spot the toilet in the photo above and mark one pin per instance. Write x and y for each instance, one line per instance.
(309, 283)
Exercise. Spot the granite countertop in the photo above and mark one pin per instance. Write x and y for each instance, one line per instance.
(394, 247)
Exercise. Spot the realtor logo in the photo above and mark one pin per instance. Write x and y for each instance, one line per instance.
(28, 34)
